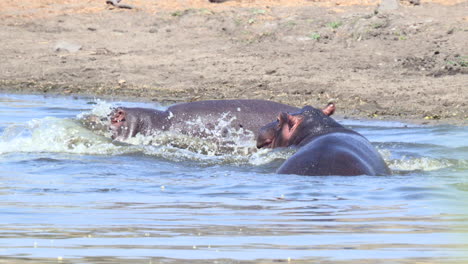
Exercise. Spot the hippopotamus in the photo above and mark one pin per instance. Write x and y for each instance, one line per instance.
(198, 119)
(325, 147)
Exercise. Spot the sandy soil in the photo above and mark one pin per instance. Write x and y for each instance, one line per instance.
(409, 63)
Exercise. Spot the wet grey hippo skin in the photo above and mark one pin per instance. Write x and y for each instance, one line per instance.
(192, 118)
(325, 147)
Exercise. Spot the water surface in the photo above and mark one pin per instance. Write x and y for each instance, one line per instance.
(69, 195)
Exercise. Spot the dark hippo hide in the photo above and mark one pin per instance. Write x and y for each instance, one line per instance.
(196, 118)
(325, 147)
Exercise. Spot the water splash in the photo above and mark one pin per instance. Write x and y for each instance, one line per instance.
(203, 136)
(222, 146)
(97, 119)
(419, 164)
(416, 163)
(100, 109)
(54, 135)
(265, 156)
(221, 143)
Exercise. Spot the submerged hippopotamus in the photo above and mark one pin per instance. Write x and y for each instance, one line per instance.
(325, 147)
(196, 118)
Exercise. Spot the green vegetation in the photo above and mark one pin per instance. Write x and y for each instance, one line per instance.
(463, 61)
(335, 25)
(315, 36)
(206, 11)
(460, 60)
(291, 23)
(177, 13)
(378, 25)
(255, 12)
(400, 36)
(432, 117)
(202, 11)
(258, 11)
(238, 21)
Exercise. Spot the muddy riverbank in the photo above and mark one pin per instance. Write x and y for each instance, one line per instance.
(409, 63)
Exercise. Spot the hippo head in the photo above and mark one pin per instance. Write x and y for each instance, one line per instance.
(293, 129)
(126, 122)
(121, 123)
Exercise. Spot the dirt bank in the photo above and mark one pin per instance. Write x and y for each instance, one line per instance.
(409, 63)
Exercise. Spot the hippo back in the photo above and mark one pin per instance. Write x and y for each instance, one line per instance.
(338, 153)
(238, 114)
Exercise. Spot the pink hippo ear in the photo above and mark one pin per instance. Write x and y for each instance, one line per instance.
(288, 125)
(329, 109)
(282, 119)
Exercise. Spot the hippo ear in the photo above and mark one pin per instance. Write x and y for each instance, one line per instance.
(329, 109)
(288, 125)
(290, 121)
(294, 121)
(282, 119)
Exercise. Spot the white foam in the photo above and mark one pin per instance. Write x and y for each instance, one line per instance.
(101, 109)
(220, 143)
(406, 163)
(54, 135)
(265, 156)
(420, 163)
(210, 137)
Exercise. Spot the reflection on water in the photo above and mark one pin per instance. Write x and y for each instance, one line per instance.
(68, 195)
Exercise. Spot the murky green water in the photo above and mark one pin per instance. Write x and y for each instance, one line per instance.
(68, 195)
